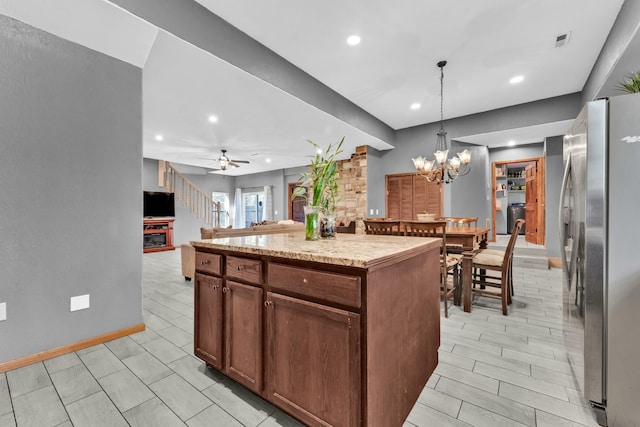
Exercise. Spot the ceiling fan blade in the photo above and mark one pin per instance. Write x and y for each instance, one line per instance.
(233, 164)
(239, 161)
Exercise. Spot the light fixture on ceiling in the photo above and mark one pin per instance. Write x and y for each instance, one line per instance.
(439, 170)
(213, 119)
(353, 40)
(511, 143)
(415, 106)
(516, 80)
(159, 137)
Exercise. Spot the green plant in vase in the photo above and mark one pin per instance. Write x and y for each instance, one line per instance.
(320, 187)
(632, 84)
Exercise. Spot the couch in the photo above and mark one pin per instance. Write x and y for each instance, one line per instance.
(188, 252)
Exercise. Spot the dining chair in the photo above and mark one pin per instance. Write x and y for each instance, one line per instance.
(499, 262)
(499, 252)
(462, 221)
(458, 222)
(449, 264)
(380, 226)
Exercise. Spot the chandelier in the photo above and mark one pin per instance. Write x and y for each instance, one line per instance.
(439, 170)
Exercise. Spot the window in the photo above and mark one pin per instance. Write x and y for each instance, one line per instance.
(253, 204)
(223, 199)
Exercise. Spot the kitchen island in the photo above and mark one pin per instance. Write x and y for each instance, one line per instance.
(340, 332)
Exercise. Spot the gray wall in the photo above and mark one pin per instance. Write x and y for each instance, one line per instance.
(70, 168)
(554, 171)
(621, 34)
(420, 140)
(187, 225)
(470, 195)
(519, 152)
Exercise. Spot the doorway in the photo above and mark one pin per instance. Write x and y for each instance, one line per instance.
(519, 186)
(296, 204)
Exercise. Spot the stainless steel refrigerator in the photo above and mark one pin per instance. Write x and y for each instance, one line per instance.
(600, 237)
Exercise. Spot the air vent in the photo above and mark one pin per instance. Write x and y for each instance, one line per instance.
(563, 39)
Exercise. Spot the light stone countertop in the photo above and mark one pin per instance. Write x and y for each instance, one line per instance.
(355, 250)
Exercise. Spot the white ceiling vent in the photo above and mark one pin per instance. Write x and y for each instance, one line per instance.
(563, 39)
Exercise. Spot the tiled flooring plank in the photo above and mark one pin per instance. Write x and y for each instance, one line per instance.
(508, 408)
(494, 370)
(95, 410)
(27, 379)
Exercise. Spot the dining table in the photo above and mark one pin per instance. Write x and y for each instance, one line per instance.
(468, 241)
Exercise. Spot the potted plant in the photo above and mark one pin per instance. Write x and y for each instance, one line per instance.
(320, 187)
(632, 84)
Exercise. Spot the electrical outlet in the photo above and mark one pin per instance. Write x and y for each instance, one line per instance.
(275, 212)
(370, 211)
(3, 311)
(79, 303)
(376, 211)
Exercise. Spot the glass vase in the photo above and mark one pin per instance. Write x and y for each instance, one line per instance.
(328, 226)
(312, 222)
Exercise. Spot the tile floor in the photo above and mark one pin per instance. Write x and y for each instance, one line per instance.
(494, 370)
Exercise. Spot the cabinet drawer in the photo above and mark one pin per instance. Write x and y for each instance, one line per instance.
(332, 287)
(246, 269)
(209, 263)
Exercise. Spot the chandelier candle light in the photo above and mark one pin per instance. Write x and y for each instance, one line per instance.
(439, 170)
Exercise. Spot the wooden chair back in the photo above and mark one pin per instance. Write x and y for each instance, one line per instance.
(427, 229)
(448, 265)
(508, 253)
(382, 227)
(454, 221)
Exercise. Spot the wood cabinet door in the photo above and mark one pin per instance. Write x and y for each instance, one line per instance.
(208, 319)
(426, 198)
(409, 195)
(399, 196)
(243, 334)
(531, 203)
(313, 361)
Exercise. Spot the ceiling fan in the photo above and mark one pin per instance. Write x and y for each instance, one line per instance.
(225, 162)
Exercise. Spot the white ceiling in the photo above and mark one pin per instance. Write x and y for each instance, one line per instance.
(486, 43)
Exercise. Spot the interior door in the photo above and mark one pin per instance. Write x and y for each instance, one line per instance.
(400, 197)
(296, 205)
(408, 195)
(531, 203)
(426, 198)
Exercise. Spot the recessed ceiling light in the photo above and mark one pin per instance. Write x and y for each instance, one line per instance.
(415, 106)
(353, 40)
(268, 160)
(511, 143)
(213, 119)
(516, 79)
(159, 137)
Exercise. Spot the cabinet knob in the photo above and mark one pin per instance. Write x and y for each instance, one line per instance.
(305, 280)
(216, 286)
(204, 262)
(225, 290)
(240, 267)
(267, 303)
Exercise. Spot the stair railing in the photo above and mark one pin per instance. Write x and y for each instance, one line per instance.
(186, 192)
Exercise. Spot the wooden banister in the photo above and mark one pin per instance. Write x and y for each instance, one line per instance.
(192, 198)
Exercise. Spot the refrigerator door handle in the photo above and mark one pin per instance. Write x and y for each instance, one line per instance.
(561, 225)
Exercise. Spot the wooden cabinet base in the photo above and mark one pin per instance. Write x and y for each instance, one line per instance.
(330, 345)
(157, 235)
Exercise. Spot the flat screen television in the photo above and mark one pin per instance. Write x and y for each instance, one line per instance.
(157, 203)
